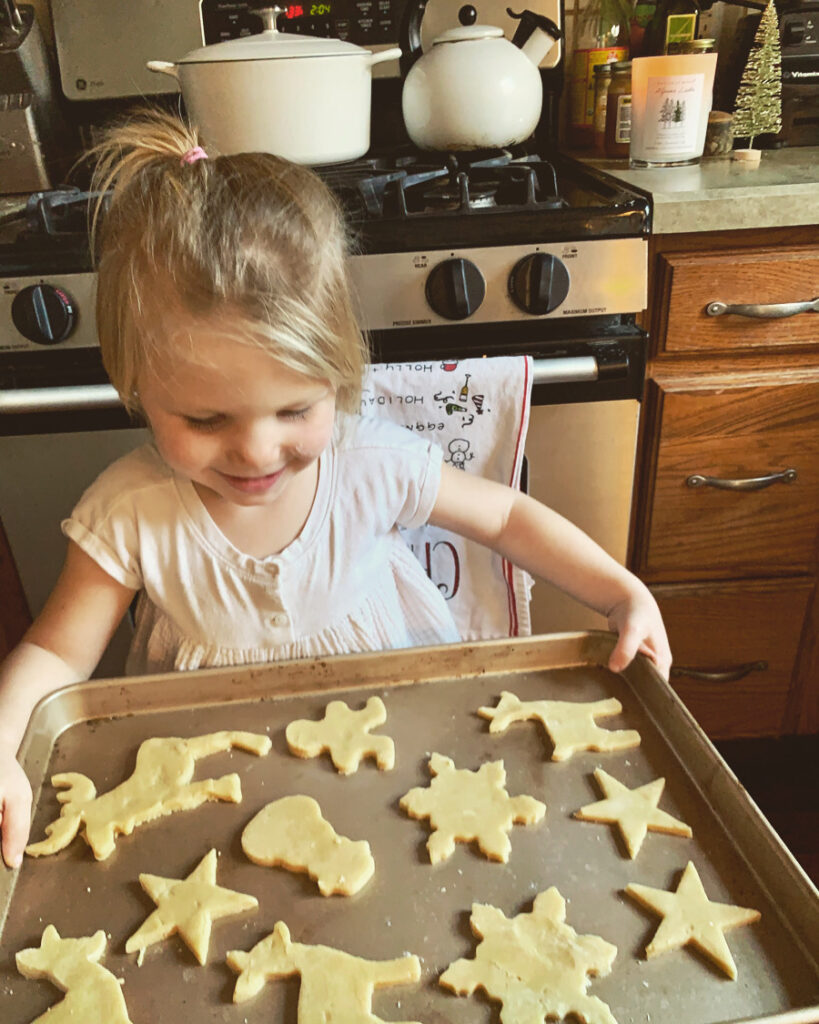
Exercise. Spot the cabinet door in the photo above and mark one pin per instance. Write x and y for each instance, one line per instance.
(734, 648)
(783, 278)
(764, 441)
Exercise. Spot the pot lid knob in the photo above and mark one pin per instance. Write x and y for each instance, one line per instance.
(269, 16)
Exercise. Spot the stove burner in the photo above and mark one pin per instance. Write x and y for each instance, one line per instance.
(410, 187)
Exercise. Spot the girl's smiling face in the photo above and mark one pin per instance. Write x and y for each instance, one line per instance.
(234, 420)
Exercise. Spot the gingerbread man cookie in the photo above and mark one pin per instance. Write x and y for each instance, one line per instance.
(291, 832)
(535, 964)
(570, 724)
(345, 734)
(335, 986)
(463, 805)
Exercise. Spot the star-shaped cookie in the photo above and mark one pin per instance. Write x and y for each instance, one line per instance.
(188, 906)
(690, 917)
(634, 811)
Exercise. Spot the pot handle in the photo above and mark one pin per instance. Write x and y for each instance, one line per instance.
(393, 53)
(164, 67)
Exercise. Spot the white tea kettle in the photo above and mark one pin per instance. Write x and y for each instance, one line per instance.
(473, 89)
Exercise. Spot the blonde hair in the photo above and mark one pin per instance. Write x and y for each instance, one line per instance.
(248, 235)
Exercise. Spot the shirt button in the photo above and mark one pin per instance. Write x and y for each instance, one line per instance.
(279, 619)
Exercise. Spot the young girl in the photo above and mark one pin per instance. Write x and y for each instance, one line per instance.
(262, 521)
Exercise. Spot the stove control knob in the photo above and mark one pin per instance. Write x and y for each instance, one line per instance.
(43, 313)
(455, 289)
(539, 283)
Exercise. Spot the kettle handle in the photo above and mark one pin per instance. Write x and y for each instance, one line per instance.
(409, 34)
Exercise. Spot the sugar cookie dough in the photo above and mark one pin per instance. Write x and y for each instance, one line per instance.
(634, 811)
(690, 917)
(160, 784)
(534, 964)
(291, 832)
(335, 986)
(570, 724)
(91, 992)
(463, 805)
(346, 735)
(188, 906)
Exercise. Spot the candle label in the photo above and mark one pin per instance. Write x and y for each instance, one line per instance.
(672, 115)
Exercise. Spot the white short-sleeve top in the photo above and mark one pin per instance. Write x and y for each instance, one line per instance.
(348, 582)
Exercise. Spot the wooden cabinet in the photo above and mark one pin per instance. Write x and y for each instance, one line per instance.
(726, 515)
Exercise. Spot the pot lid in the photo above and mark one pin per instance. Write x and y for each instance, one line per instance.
(271, 45)
(465, 32)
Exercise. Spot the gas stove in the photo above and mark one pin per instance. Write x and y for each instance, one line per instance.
(482, 254)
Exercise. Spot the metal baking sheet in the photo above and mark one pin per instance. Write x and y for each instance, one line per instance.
(431, 696)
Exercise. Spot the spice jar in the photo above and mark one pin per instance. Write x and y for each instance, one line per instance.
(602, 81)
(618, 110)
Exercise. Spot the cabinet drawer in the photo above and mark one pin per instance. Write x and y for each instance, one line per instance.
(690, 282)
(743, 639)
(708, 532)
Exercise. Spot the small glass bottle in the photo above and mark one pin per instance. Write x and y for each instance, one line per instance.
(602, 81)
(602, 36)
(618, 111)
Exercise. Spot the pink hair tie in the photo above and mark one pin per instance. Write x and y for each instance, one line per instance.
(197, 153)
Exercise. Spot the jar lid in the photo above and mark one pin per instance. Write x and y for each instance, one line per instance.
(603, 69)
(621, 65)
(699, 45)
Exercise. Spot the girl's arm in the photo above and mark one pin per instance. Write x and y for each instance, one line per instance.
(539, 540)
(62, 646)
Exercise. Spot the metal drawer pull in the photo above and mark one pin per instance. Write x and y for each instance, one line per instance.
(754, 483)
(60, 399)
(728, 675)
(763, 311)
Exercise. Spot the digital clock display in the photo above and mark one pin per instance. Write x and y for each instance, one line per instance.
(310, 10)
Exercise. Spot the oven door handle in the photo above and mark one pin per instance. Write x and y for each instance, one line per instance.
(578, 369)
(80, 398)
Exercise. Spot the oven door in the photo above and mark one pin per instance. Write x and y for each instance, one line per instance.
(582, 440)
(49, 454)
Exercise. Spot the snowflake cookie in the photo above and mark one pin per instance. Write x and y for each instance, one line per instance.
(535, 964)
(463, 805)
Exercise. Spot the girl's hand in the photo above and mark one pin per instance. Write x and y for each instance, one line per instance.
(638, 622)
(15, 810)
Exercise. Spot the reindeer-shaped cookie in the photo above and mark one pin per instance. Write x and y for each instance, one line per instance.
(92, 992)
(335, 986)
(570, 724)
(161, 783)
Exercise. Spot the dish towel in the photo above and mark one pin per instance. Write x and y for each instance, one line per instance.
(477, 410)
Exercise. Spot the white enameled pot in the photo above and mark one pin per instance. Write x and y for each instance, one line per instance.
(301, 97)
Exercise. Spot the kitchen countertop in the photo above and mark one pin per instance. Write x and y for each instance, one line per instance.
(720, 193)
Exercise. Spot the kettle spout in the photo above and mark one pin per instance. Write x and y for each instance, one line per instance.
(535, 35)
